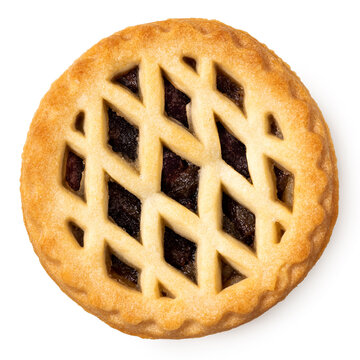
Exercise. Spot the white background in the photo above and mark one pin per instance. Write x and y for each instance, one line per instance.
(320, 318)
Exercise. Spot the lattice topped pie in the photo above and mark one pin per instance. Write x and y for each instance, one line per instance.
(178, 179)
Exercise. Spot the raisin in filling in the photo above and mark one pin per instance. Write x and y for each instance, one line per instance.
(175, 103)
(180, 179)
(238, 221)
(122, 272)
(124, 208)
(180, 253)
(233, 151)
(74, 169)
(123, 137)
(129, 79)
(230, 88)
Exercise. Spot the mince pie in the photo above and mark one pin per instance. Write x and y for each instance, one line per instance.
(178, 180)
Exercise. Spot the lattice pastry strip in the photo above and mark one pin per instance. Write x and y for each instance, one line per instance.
(186, 186)
(208, 250)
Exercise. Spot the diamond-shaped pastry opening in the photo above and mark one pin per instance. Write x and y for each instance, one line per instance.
(238, 221)
(274, 127)
(129, 80)
(124, 209)
(123, 137)
(77, 232)
(284, 181)
(233, 151)
(79, 122)
(190, 61)
(164, 292)
(176, 103)
(121, 271)
(229, 275)
(180, 253)
(180, 179)
(280, 231)
(74, 166)
(230, 88)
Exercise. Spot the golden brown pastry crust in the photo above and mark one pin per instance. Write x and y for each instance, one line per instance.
(270, 87)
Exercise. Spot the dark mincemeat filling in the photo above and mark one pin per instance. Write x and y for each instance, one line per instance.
(77, 232)
(74, 169)
(238, 221)
(129, 79)
(123, 137)
(284, 185)
(175, 103)
(229, 276)
(165, 292)
(230, 88)
(180, 253)
(122, 272)
(233, 151)
(180, 179)
(281, 181)
(124, 208)
(79, 122)
(274, 127)
(190, 61)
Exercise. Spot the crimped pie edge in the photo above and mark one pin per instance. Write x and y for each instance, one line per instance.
(290, 274)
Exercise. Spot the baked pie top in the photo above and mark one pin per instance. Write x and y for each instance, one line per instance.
(178, 179)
